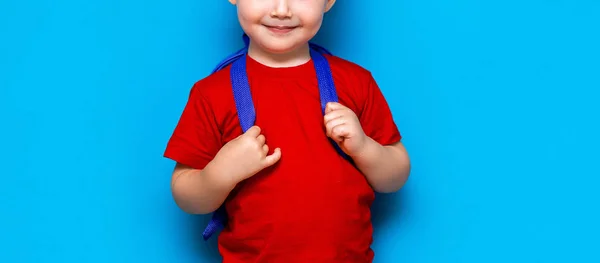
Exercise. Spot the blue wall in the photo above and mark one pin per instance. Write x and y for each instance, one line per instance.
(495, 100)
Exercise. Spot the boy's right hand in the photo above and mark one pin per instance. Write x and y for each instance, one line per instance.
(246, 155)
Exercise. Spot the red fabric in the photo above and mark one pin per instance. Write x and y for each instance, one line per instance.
(312, 206)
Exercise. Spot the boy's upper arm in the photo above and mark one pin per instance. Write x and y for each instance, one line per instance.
(196, 138)
(376, 117)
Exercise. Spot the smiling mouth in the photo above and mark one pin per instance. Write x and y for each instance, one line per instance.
(281, 29)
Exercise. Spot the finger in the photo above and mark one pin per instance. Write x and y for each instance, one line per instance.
(329, 126)
(254, 131)
(265, 149)
(273, 158)
(331, 106)
(261, 139)
(340, 132)
(332, 115)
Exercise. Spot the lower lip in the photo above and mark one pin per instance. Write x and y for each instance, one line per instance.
(281, 30)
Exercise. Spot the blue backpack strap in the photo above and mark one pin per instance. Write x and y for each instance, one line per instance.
(319, 49)
(245, 106)
(327, 91)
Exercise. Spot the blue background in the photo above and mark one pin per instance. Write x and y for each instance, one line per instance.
(497, 101)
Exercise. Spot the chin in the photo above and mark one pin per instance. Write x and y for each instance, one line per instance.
(280, 43)
(279, 48)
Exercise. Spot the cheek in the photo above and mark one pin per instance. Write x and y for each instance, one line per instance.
(251, 11)
(310, 12)
(312, 21)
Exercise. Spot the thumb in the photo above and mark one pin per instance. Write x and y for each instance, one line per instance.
(273, 158)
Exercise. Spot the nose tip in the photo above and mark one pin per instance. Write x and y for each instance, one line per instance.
(281, 9)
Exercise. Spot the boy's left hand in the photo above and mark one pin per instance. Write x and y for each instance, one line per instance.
(343, 126)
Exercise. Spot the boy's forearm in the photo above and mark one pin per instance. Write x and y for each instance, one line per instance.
(201, 191)
(385, 167)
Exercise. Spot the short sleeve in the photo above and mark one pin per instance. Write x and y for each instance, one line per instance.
(376, 117)
(196, 138)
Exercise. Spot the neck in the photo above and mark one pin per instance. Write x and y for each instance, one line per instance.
(293, 58)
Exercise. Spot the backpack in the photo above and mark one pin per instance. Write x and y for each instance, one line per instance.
(245, 106)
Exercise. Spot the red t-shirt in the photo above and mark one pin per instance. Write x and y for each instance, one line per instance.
(313, 205)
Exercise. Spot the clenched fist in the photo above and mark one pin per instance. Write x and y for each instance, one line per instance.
(246, 155)
(343, 126)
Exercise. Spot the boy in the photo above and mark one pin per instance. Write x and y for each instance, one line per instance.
(289, 195)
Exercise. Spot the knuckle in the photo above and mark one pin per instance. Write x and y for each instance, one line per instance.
(256, 144)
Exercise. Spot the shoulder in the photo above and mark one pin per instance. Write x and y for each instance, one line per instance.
(213, 90)
(347, 68)
(213, 85)
(213, 94)
(353, 82)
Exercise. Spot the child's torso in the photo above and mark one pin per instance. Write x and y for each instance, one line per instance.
(313, 205)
